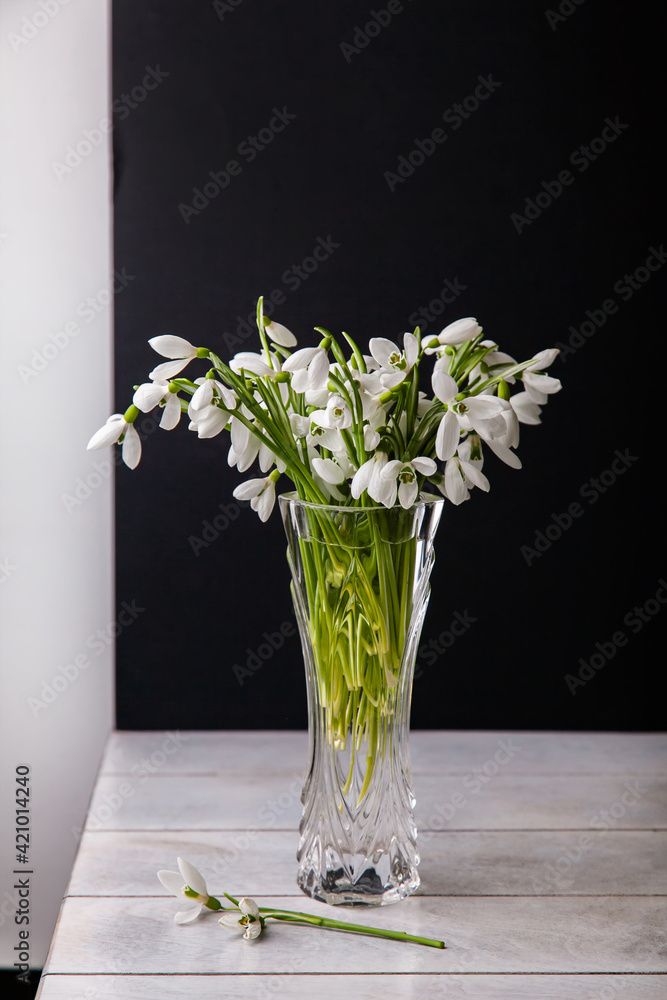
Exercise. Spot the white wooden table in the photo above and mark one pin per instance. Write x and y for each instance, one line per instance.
(548, 882)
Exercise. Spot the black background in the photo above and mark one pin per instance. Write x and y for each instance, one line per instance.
(324, 176)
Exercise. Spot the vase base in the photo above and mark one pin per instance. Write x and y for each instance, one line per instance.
(336, 889)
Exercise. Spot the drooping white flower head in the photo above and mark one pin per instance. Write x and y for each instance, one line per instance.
(187, 877)
(115, 428)
(182, 351)
(455, 333)
(261, 493)
(538, 386)
(150, 394)
(337, 415)
(248, 921)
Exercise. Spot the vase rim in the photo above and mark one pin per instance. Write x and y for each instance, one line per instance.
(424, 500)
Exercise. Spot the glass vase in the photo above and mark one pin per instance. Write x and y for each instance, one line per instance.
(360, 585)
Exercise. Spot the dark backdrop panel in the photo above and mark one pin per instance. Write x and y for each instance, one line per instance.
(212, 580)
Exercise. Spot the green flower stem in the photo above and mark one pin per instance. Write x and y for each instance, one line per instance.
(292, 916)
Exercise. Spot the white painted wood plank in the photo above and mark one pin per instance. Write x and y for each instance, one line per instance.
(456, 864)
(501, 934)
(433, 752)
(361, 987)
(272, 801)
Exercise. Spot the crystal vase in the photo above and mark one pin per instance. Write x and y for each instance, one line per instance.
(360, 585)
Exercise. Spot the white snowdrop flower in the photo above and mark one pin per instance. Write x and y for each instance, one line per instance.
(539, 386)
(150, 394)
(454, 334)
(246, 919)
(182, 351)
(183, 884)
(403, 477)
(261, 493)
(337, 415)
(461, 414)
(394, 363)
(310, 367)
(118, 427)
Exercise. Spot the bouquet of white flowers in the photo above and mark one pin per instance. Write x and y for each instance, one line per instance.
(354, 433)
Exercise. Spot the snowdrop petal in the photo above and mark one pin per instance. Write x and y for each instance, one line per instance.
(185, 916)
(192, 877)
(362, 478)
(251, 363)
(544, 359)
(444, 386)
(391, 469)
(173, 347)
(483, 407)
(168, 370)
(149, 395)
(172, 881)
(411, 348)
(459, 331)
(213, 421)
(249, 489)
(203, 395)
(476, 477)
(526, 410)
(389, 380)
(279, 334)
(231, 921)
(318, 370)
(264, 503)
(253, 930)
(328, 470)
(249, 907)
(108, 434)
(424, 465)
(503, 453)
(456, 488)
(447, 438)
(543, 383)
(300, 359)
(131, 447)
(171, 413)
(300, 380)
(407, 494)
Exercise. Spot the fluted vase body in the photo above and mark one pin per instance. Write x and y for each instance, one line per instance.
(360, 584)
